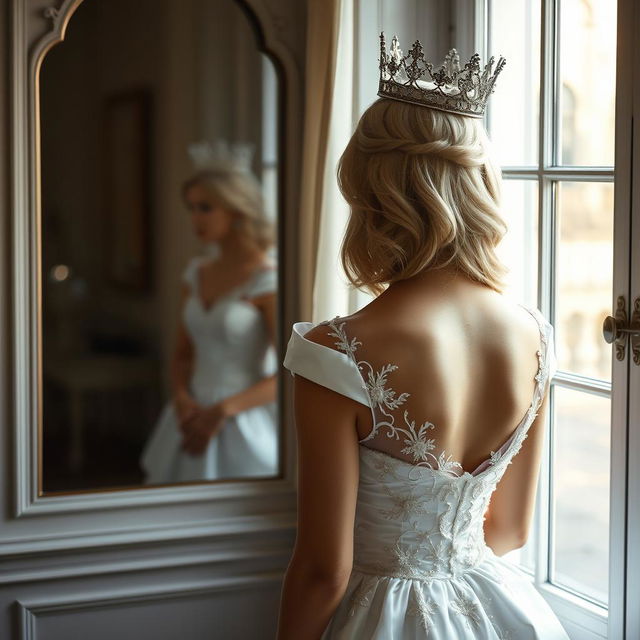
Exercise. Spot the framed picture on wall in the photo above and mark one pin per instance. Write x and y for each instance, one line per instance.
(127, 188)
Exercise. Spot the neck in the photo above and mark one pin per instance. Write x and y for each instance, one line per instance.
(440, 275)
(237, 247)
(442, 278)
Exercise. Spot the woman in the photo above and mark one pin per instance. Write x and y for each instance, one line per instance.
(410, 412)
(221, 421)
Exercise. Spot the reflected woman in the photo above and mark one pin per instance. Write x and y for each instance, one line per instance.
(221, 421)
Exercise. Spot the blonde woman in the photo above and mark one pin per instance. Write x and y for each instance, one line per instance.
(420, 417)
(221, 420)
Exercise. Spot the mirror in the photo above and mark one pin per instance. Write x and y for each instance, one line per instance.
(159, 204)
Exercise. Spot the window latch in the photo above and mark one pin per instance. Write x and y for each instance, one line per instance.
(615, 330)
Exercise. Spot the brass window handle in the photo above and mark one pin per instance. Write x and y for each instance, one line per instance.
(615, 330)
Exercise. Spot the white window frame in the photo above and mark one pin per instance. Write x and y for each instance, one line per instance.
(458, 23)
(583, 618)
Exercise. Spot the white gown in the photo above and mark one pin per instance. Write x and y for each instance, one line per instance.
(232, 352)
(421, 566)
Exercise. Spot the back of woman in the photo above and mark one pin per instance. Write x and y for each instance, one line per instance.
(462, 361)
(420, 418)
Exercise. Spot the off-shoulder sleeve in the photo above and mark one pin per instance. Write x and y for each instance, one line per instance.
(265, 281)
(323, 365)
(190, 272)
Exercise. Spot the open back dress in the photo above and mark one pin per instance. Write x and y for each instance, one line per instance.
(421, 566)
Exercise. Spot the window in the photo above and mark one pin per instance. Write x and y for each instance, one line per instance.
(554, 137)
(553, 126)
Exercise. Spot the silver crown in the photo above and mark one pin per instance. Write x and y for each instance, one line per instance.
(221, 155)
(412, 79)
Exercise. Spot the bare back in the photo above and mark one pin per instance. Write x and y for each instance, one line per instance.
(452, 365)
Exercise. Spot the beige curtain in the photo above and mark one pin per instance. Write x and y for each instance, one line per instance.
(328, 125)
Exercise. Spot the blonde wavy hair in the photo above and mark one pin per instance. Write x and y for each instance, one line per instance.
(239, 192)
(424, 193)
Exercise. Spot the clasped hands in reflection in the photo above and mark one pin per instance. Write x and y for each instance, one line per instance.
(198, 423)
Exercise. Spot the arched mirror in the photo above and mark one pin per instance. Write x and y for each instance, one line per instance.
(159, 261)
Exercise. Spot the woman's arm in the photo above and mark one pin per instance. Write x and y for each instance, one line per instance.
(328, 467)
(264, 390)
(207, 422)
(508, 518)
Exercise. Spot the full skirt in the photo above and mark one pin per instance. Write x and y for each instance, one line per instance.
(247, 445)
(493, 601)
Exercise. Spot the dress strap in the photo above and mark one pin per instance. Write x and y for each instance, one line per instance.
(546, 368)
(546, 353)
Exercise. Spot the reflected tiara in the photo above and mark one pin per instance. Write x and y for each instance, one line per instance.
(236, 156)
(412, 79)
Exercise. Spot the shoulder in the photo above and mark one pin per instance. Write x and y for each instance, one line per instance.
(335, 334)
(190, 270)
(323, 333)
(541, 328)
(547, 341)
(542, 333)
(264, 281)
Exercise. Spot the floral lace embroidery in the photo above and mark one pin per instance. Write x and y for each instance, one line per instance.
(384, 467)
(405, 560)
(422, 608)
(487, 604)
(438, 554)
(385, 400)
(467, 607)
(425, 608)
(403, 506)
(418, 445)
(362, 593)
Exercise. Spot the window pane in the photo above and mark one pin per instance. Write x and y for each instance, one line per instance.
(513, 108)
(519, 247)
(581, 481)
(586, 109)
(584, 273)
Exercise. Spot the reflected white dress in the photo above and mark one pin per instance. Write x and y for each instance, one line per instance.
(232, 352)
(421, 566)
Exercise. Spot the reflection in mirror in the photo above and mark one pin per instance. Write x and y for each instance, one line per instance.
(159, 165)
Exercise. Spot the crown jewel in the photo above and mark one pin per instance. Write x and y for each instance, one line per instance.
(412, 79)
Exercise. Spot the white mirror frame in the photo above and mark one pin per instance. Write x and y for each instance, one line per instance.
(133, 514)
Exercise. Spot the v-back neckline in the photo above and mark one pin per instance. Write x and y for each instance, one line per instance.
(209, 307)
(539, 382)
